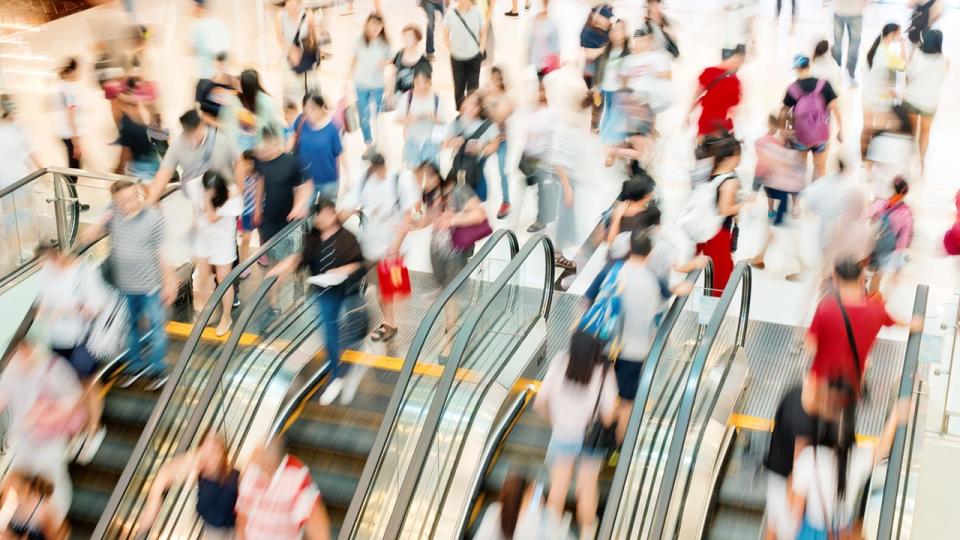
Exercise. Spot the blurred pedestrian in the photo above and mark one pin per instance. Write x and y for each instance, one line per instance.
(34, 515)
(210, 39)
(662, 30)
(823, 66)
(499, 108)
(718, 94)
(408, 61)
(139, 156)
(215, 243)
(258, 103)
(431, 8)
(577, 391)
(848, 15)
(218, 485)
(316, 143)
(893, 219)
(418, 111)
(885, 59)
(472, 137)
(543, 45)
(519, 513)
(299, 39)
(725, 152)
(69, 118)
(925, 75)
(371, 56)
(807, 107)
(608, 81)
(465, 33)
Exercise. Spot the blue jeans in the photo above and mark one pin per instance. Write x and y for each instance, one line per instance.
(610, 121)
(329, 305)
(854, 26)
(504, 178)
(367, 97)
(431, 8)
(150, 307)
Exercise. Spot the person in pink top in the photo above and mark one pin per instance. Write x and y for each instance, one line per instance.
(893, 219)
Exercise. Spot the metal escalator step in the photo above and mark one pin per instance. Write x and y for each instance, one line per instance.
(744, 484)
(336, 489)
(88, 502)
(735, 524)
(128, 406)
(114, 452)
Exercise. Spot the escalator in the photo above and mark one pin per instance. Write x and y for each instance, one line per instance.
(264, 359)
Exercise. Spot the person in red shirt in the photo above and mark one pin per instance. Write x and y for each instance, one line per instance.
(827, 336)
(718, 94)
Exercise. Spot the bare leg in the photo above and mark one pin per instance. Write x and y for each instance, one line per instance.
(623, 418)
(820, 163)
(226, 303)
(561, 473)
(925, 123)
(244, 245)
(203, 285)
(587, 494)
(389, 319)
(94, 404)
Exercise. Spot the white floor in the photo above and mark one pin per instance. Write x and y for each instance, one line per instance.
(29, 57)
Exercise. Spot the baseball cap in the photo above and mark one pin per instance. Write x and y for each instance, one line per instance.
(801, 61)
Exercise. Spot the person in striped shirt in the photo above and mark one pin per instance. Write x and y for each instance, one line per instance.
(278, 499)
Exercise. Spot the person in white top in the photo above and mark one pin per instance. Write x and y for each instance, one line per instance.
(577, 389)
(827, 481)
(418, 111)
(215, 242)
(823, 66)
(384, 202)
(519, 514)
(69, 119)
(884, 59)
(371, 56)
(647, 70)
(925, 75)
(18, 157)
(608, 81)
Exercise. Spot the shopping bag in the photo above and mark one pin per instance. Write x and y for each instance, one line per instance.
(394, 278)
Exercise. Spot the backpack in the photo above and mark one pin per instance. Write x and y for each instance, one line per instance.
(604, 319)
(811, 121)
(886, 237)
(701, 218)
(436, 102)
(470, 166)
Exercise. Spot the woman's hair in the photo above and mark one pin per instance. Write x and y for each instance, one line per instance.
(848, 269)
(415, 29)
(649, 217)
(511, 497)
(637, 187)
(888, 29)
(720, 147)
(821, 49)
(843, 433)
(475, 94)
(900, 186)
(382, 36)
(69, 67)
(213, 180)
(249, 88)
(931, 42)
(585, 353)
(625, 50)
(223, 467)
(503, 78)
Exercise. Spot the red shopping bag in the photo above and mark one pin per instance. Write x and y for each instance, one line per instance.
(394, 278)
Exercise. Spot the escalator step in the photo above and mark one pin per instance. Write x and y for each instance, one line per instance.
(129, 406)
(735, 524)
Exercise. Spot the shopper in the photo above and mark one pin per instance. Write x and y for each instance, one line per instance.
(278, 498)
(848, 15)
(406, 64)
(498, 107)
(577, 391)
(316, 142)
(138, 155)
(925, 75)
(806, 416)
(418, 111)
(884, 60)
(543, 45)
(725, 153)
(42, 396)
(258, 103)
(215, 243)
(647, 71)
(466, 37)
(636, 194)
(70, 113)
(837, 353)
(141, 274)
(431, 8)
(32, 515)
(247, 177)
(519, 513)
(473, 138)
(218, 485)
(793, 14)
(595, 35)
(209, 40)
(371, 56)
(823, 66)
(331, 251)
(718, 95)
(807, 108)
(385, 203)
(609, 80)
(71, 297)
(299, 39)
(893, 219)
(662, 29)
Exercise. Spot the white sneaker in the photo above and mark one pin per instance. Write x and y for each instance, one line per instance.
(91, 445)
(332, 392)
(351, 383)
(75, 446)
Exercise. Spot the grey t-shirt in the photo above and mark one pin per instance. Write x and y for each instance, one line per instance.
(368, 73)
(463, 46)
(217, 153)
(848, 8)
(135, 251)
(640, 299)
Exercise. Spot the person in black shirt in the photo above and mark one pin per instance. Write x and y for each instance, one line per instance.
(282, 194)
(807, 84)
(139, 157)
(807, 415)
(331, 250)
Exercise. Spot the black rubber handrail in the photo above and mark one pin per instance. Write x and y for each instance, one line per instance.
(650, 368)
(378, 452)
(895, 465)
(177, 373)
(739, 279)
(463, 339)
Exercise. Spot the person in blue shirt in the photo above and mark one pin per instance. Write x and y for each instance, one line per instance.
(316, 143)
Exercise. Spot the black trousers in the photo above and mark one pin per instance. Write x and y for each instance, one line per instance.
(793, 8)
(73, 163)
(466, 77)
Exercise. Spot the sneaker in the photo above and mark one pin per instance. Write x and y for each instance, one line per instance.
(157, 382)
(351, 383)
(332, 392)
(91, 445)
(129, 380)
(512, 13)
(263, 260)
(504, 211)
(245, 274)
(236, 299)
(536, 227)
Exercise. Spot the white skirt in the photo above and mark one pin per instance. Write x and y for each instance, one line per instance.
(216, 242)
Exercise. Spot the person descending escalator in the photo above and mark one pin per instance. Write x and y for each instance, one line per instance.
(32, 515)
(520, 514)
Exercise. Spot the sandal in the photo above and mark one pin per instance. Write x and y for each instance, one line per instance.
(383, 333)
(562, 262)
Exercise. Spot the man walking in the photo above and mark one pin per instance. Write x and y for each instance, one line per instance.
(848, 14)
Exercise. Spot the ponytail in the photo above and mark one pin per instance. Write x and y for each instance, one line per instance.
(888, 29)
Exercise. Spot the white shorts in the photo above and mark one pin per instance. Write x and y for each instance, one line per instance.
(779, 517)
(216, 242)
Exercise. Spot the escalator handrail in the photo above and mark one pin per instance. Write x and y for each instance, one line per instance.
(891, 486)
(178, 370)
(632, 434)
(741, 274)
(377, 452)
(432, 422)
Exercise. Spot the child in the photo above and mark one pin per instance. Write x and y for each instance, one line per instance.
(777, 171)
(248, 177)
(290, 114)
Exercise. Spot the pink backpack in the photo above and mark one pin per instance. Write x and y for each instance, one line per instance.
(811, 120)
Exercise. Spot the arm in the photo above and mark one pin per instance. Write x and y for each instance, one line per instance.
(347, 268)
(566, 185)
(483, 31)
(286, 266)
(160, 181)
(317, 526)
(169, 291)
(240, 527)
(258, 196)
(301, 201)
(838, 116)
(122, 161)
(899, 416)
(177, 471)
(615, 220)
(728, 205)
(92, 232)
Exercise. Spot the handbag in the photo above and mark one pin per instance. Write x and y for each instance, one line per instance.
(52, 421)
(598, 437)
(858, 365)
(394, 278)
(529, 166)
(463, 238)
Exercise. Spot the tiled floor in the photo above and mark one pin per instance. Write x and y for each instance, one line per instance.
(19, 14)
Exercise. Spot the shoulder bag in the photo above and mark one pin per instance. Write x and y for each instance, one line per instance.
(851, 339)
(598, 437)
(483, 53)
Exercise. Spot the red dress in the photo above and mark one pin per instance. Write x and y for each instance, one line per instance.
(722, 95)
(719, 250)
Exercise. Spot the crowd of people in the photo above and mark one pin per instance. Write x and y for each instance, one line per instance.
(251, 162)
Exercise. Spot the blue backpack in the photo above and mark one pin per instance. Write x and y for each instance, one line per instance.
(886, 237)
(604, 319)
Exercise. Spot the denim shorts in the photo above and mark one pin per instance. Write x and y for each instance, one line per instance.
(571, 449)
(816, 149)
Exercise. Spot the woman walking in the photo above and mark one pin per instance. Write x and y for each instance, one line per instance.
(499, 107)
(372, 55)
(925, 75)
(466, 38)
(884, 59)
(725, 152)
(216, 242)
(258, 103)
(608, 81)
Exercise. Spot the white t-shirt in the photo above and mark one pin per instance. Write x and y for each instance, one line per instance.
(540, 132)
(67, 99)
(14, 153)
(815, 477)
(534, 523)
(611, 71)
(370, 62)
(641, 301)
(63, 292)
(925, 75)
(824, 68)
(641, 71)
(384, 202)
(465, 34)
(426, 109)
(23, 382)
(571, 404)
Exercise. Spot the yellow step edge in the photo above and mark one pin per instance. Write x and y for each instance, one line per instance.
(754, 423)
